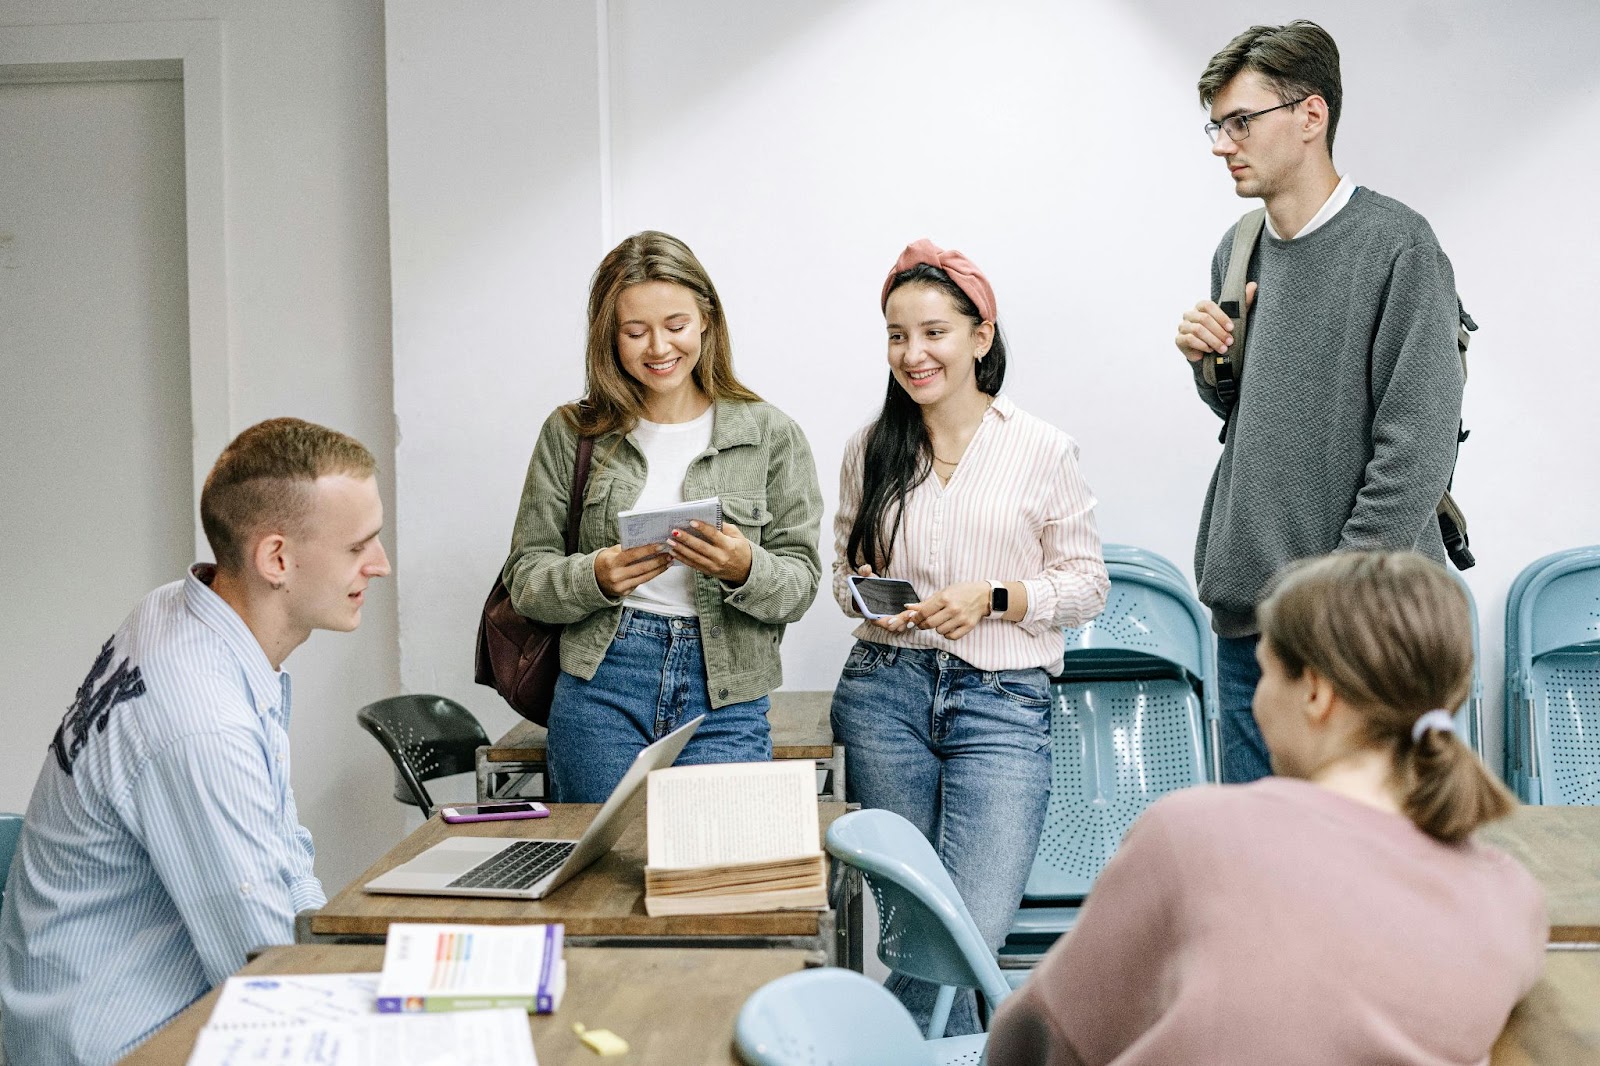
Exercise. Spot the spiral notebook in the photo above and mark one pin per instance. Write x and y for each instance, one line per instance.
(655, 525)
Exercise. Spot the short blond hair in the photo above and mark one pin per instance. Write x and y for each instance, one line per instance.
(262, 482)
(1392, 633)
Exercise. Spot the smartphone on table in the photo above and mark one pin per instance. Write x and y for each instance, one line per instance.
(493, 812)
(882, 597)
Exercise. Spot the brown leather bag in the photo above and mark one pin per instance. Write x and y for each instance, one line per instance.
(518, 657)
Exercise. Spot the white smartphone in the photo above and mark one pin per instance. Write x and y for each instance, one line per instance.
(882, 597)
(492, 812)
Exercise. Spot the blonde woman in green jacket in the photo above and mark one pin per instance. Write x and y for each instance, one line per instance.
(649, 645)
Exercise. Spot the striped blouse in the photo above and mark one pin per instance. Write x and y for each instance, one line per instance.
(162, 842)
(1016, 509)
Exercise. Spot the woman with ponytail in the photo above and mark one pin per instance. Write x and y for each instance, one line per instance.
(944, 708)
(1339, 912)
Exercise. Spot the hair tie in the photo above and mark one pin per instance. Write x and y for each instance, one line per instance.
(1441, 720)
(963, 271)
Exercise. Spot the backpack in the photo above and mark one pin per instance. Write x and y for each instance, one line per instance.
(1224, 372)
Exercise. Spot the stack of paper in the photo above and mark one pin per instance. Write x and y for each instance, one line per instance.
(472, 967)
(734, 837)
(331, 1020)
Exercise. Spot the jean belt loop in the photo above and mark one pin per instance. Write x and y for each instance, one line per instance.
(624, 621)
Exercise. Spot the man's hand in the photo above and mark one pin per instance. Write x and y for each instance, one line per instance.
(619, 570)
(1205, 328)
(954, 610)
(724, 554)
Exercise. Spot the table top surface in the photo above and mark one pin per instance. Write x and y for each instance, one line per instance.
(1559, 1021)
(606, 899)
(1560, 846)
(672, 1005)
(799, 720)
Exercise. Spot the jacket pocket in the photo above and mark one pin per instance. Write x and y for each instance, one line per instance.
(749, 513)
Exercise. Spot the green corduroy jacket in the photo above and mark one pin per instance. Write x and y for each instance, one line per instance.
(759, 464)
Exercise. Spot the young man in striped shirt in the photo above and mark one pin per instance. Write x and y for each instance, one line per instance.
(162, 841)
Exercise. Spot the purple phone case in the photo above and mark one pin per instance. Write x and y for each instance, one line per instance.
(501, 817)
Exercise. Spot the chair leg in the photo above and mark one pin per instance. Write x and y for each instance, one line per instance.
(941, 1011)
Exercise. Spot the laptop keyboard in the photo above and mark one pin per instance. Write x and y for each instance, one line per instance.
(522, 865)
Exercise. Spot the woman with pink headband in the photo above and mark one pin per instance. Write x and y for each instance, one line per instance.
(944, 706)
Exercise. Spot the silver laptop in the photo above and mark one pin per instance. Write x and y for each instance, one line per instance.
(531, 869)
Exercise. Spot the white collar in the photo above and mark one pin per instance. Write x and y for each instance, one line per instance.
(1332, 206)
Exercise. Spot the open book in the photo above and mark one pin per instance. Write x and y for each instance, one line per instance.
(734, 837)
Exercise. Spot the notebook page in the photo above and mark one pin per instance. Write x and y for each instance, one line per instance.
(732, 813)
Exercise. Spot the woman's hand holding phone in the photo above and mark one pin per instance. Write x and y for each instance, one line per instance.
(894, 623)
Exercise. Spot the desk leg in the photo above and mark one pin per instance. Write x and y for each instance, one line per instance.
(837, 775)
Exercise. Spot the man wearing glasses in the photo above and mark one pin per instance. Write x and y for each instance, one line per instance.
(1342, 433)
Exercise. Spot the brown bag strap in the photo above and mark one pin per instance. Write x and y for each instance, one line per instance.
(580, 481)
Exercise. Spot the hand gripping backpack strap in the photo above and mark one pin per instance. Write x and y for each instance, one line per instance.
(1224, 372)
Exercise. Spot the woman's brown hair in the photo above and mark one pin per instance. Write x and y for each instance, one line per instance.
(1392, 633)
(615, 401)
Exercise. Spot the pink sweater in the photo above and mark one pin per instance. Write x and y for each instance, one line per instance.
(1280, 922)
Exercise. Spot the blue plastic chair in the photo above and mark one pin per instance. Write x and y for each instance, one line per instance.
(833, 1017)
(1136, 556)
(1553, 680)
(924, 929)
(10, 830)
(1133, 717)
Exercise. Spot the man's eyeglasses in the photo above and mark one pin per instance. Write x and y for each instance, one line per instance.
(1237, 127)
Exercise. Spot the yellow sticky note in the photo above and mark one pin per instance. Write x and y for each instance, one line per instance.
(601, 1041)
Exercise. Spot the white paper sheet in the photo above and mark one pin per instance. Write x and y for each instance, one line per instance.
(465, 1038)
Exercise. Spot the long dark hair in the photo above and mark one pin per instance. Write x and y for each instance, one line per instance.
(899, 453)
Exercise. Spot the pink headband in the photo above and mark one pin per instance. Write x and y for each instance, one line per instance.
(963, 271)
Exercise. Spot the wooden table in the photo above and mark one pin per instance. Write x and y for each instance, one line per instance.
(1560, 846)
(800, 730)
(601, 907)
(673, 1005)
(1559, 1021)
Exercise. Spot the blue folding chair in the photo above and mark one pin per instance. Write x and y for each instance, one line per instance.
(1133, 717)
(924, 929)
(10, 830)
(1552, 712)
(833, 1017)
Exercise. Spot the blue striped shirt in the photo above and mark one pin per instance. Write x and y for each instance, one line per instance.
(162, 840)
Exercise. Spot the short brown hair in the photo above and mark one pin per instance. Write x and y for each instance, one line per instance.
(1296, 60)
(1392, 633)
(263, 479)
(615, 402)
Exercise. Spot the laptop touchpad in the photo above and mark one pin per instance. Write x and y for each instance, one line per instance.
(453, 856)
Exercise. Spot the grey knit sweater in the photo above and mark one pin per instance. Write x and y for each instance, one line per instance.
(1345, 431)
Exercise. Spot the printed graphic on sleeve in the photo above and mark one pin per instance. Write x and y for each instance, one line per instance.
(93, 706)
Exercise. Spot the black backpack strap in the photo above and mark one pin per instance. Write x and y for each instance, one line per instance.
(580, 481)
(1224, 372)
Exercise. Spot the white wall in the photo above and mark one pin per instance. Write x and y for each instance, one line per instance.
(307, 311)
(798, 147)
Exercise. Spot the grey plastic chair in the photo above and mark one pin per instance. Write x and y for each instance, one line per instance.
(426, 737)
(1132, 717)
(924, 929)
(1552, 711)
(10, 831)
(834, 1017)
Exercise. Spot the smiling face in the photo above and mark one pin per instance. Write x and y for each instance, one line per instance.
(331, 563)
(933, 347)
(659, 330)
(1268, 161)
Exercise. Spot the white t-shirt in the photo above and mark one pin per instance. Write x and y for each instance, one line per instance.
(668, 449)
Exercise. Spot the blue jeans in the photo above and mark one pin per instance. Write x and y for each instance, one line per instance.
(652, 680)
(964, 755)
(1244, 751)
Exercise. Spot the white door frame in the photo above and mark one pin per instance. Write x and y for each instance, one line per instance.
(192, 51)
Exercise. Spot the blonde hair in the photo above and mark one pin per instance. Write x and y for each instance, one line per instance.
(1391, 632)
(262, 482)
(615, 401)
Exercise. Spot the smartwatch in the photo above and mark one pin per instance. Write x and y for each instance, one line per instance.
(999, 598)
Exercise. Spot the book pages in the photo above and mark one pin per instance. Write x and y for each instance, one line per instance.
(732, 813)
